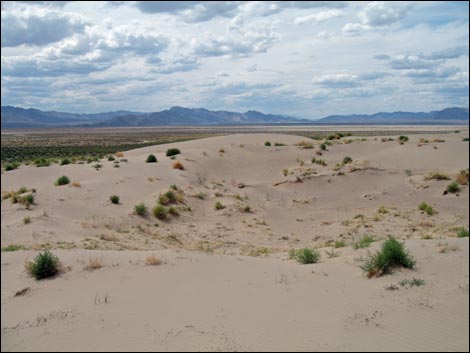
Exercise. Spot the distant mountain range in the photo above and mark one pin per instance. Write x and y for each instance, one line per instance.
(15, 117)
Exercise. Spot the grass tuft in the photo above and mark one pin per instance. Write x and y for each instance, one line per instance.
(44, 265)
(305, 255)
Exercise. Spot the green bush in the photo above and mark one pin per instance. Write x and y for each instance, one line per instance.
(305, 255)
(171, 196)
(62, 180)
(42, 162)
(347, 160)
(364, 242)
(11, 166)
(462, 233)
(173, 211)
(13, 247)
(423, 206)
(172, 152)
(279, 144)
(453, 187)
(267, 143)
(403, 138)
(323, 146)
(174, 187)
(140, 209)
(114, 199)
(392, 254)
(340, 244)
(65, 161)
(44, 265)
(151, 159)
(219, 206)
(111, 158)
(161, 212)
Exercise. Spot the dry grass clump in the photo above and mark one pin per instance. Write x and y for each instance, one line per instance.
(178, 165)
(305, 144)
(77, 184)
(119, 154)
(462, 177)
(152, 260)
(221, 150)
(93, 264)
(437, 176)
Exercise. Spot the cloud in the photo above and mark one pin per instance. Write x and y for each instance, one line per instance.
(381, 57)
(406, 62)
(252, 68)
(378, 14)
(318, 17)
(337, 80)
(450, 53)
(37, 29)
(384, 13)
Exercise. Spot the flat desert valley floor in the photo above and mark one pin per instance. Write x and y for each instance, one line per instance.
(224, 279)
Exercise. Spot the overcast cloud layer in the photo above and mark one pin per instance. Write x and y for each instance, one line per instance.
(306, 59)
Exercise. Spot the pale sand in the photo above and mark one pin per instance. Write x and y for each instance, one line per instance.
(199, 301)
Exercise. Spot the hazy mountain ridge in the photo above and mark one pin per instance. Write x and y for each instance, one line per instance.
(16, 117)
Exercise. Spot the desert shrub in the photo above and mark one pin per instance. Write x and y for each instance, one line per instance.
(11, 166)
(26, 220)
(403, 138)
(173, 211)
(462, 177)
(279, 144)
(44, 265)
(178, 165)
(26, 200)
(305, 255)
(172, 152)
(267, 144)
(163, 199)
(201, 195)
(65, 161)
(140, 209)
(392, 254)
(347, 160)
(465, 139)
(423, 206)
(340, 244)
(219, 206)
(13, 247)
(111, 158)
(453, 187)
(364, 242)
(152, 260)
(114, 199)
(22, 190)
(382, 210)
(119, 154)
(161, 212)
(151, 159)
(42, 162)
(323, 146)
(408, 172)
(285, 172)
(247, 209)
(437, 176)
(62, 180)
(462, 233)
(173, 187)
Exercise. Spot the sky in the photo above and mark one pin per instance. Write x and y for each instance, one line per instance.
(297, 58)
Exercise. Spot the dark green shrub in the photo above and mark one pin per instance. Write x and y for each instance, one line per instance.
(453, 187)
(279, 144)
(403, 138)
(171, 196)
(323, 147)
(347, 160)
(111, 158)
(172, 152)
(219, 206)
(173, 187)
(140, 209)
(267, 144)
(11, 166)
(44, 265)
(65, 161)
(151, 159)
(161, 212)
(462, 233)
(114, 199)
(392, 254)
(62, 180)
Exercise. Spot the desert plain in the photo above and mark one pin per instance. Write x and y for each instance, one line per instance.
(210, 278)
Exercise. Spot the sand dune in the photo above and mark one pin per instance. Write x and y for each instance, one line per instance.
(226, 282)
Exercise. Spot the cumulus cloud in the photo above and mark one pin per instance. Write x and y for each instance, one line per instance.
(405, 62)
(39, 28)
(318, 17)
(377, 14)
(337, 80)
